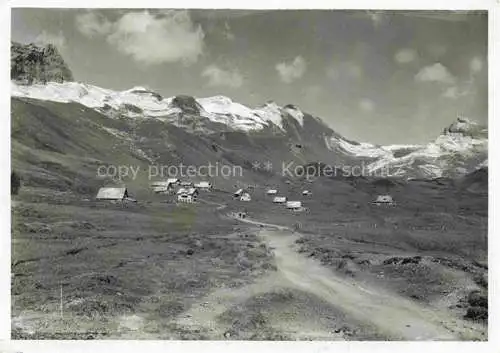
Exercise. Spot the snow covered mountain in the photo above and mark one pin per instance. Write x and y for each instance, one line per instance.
(459, 149)
(40, 73)
(140, 102)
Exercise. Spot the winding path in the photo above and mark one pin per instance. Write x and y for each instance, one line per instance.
(389, 314)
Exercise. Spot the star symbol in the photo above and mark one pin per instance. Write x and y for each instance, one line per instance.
(268, 166)
(256, 165)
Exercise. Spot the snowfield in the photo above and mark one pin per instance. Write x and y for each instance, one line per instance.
(218, 109)
(463, 139)
(96, 97)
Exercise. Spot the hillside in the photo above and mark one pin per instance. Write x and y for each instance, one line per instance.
(340, 269)
(62, 145)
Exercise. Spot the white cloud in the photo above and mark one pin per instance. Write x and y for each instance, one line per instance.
(476, 65)
(168, 36)
(366, 105)
(464, 89)
(220, 77)
(154, 40)
(435, 73)
(405, 56)
(91, 24)
(291, 71)
(58, 40)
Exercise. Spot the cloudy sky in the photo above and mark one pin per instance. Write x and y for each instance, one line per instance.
(381, 77)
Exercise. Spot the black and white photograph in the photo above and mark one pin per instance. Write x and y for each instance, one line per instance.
(248, 174)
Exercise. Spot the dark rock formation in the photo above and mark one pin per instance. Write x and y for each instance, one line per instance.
(37, 64)
(187, 104)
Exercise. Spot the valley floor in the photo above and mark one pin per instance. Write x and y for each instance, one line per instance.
(158, 270)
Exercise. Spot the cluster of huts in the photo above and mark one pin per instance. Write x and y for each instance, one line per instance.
(185, 191)
(188, 191)
(244, 195)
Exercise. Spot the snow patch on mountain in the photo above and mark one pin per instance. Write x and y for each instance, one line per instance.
(140, 102)
(147, 102)
(456, 143)
(463, 140)
(430, 170)
(138, 89)
(462, 144)
(361, 149)
(296, 114)
(271, 112)
(60, 92)
(220, 108)
(448, 152)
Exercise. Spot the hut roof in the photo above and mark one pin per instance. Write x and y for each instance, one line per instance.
(110, 193)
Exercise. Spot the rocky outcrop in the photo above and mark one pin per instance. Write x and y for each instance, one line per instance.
(37, 64)
(465, 127)
(187, 104)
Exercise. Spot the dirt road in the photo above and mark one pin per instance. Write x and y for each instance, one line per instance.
(393, 316)
(388, 314)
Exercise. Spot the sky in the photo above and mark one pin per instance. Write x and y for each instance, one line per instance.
(385, 77)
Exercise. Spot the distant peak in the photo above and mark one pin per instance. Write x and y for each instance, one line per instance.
(466, 127)
(270, 104)
(462, 119)
(139, 88)
(220, 99)
(291, 106)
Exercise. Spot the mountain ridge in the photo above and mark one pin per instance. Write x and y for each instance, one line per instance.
(40, 73)
(454, 152)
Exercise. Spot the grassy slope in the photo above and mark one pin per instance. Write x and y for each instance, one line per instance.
(67, 142)
(431, 247)
(109, 259)
(114, 261)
